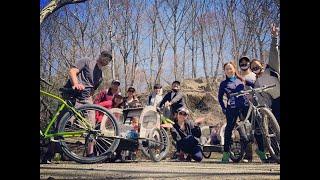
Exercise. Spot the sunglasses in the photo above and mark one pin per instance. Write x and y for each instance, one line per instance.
(244, 64)
(183, 114)
(255, 68)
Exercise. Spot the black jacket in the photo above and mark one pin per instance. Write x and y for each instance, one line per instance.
(176, 102)
(191, 129)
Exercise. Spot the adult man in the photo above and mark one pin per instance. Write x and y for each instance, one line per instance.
(85, 77)
(173, 99)
(248, 75)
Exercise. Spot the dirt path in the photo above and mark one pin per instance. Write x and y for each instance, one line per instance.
(207, 169)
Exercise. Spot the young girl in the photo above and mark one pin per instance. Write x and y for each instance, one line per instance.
(235, 106)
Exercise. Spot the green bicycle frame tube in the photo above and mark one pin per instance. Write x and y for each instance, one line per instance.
(64, 104)
(66, 134)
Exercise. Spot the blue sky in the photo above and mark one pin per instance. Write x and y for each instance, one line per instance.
(43, 3)
(145, 49)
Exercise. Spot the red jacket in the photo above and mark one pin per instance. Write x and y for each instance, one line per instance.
(104, 98)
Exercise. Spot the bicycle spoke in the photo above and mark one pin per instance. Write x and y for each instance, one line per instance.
(80, 126)
(101, 147)
(104, 140)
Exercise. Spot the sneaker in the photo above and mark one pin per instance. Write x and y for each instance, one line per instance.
(175, 155)
(245, 160)
(181, 156)
(46, 161)
(225, 157)
(262, 155)
(119, 160)
(271, 160)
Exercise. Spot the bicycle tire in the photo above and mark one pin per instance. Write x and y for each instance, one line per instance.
(153, 146)
(100, 141)
(237, 148)
(164, 153)
(205, 139)
(271, 133)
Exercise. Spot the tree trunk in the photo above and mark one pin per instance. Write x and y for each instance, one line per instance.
(204, 57)
(184, 55)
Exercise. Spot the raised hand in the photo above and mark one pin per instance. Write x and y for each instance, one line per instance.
(274, 30)
(199, 120)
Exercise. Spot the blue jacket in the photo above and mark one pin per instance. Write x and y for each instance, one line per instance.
(227, 87)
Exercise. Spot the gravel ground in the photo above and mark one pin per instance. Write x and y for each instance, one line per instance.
(168, 169)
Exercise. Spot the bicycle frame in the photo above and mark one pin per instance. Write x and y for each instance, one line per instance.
(253, 111)
(63, 105)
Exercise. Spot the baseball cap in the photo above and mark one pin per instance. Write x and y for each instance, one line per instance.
(183, 109)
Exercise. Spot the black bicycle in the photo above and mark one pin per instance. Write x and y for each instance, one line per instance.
(262, 121)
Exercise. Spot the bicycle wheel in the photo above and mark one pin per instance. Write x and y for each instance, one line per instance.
(102, 139)
(165, 150)
(237, 146)
(271, 133)
(205, 139)
(154, 146)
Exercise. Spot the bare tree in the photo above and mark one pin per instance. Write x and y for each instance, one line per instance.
(232, 28)
(54, 5)
(175, 21)
(193, 35)
(123, 22)
(135, 33)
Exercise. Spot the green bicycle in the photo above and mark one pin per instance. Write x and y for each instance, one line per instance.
(75, 132)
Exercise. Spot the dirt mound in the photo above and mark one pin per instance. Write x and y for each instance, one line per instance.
(201, 101)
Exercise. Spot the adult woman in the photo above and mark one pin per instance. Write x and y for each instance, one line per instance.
(266, 76)
(184, 132)
(131, 100)
(104, 98)
(235, 107)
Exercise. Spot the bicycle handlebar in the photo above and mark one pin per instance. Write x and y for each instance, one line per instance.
(253, 91)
